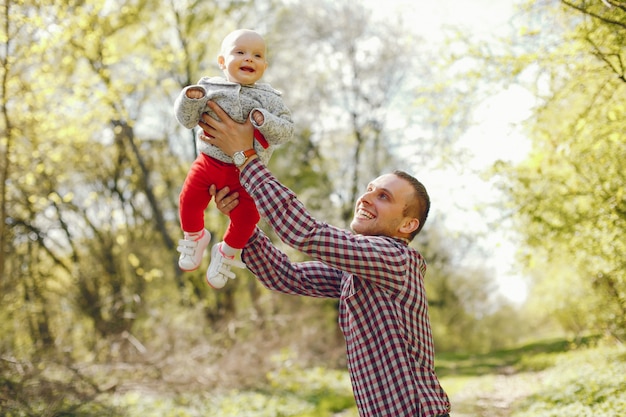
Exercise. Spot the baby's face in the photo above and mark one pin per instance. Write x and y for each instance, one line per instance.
(243, 58)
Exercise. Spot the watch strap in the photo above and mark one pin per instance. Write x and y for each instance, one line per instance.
(249, 153)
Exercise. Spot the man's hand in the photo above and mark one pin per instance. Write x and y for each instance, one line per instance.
(225, 133)
(224, 200)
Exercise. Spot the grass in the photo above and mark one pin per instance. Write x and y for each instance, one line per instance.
(583, 383)
(556, 378)
(552, 378)
(505, 360)
(290, 392)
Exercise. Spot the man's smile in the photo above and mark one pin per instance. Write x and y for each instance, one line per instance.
(364, 213)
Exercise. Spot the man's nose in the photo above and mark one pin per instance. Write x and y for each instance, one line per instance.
(365, 198)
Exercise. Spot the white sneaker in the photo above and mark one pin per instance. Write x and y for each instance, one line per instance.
(191, 251)
(219, 269)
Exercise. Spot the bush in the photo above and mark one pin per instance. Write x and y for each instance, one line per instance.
(590, 382)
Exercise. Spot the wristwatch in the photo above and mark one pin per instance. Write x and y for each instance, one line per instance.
(240, 158)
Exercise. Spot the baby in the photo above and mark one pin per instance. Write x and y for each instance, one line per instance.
(243, 61)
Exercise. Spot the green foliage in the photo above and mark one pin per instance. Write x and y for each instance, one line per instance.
(548, 378)
(291, 391)
(329, 390)
(587, 383)
(569, 194)
(465, 311)
(92, 161)
(561, 295)
(231, 404)
(51, 387)
(557, 377)
(530, 356)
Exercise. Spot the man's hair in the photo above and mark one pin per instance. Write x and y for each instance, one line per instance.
(421, 205)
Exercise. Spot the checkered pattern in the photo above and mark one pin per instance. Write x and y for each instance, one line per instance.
(383, 310)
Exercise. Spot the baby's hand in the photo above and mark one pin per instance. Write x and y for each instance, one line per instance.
(195, 93)
(258, 117)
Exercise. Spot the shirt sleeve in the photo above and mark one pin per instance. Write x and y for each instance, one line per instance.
(379, 259)
(275, 271)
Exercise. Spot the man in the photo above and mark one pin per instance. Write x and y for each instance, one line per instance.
(377, 277)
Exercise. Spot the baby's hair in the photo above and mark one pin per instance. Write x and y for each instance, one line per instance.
(233, 34)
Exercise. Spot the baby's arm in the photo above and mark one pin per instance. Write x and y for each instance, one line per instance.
(190, 105)
(276, 126)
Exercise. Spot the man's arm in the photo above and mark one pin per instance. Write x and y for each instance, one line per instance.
(376, 258)
(272, 266)
(276, 272)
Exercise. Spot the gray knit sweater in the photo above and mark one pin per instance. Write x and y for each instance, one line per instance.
(238, 101)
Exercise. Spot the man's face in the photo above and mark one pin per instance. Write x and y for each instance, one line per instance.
(379, 211)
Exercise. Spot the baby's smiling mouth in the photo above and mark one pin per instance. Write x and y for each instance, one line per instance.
(247, 69)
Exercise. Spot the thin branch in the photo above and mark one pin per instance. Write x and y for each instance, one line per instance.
(595, 15)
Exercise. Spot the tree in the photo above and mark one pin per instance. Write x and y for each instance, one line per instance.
(352, 72)
(466, 312)
(81, 201)
(569, 193)
(92, 161)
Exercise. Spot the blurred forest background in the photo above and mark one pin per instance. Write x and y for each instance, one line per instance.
(92, 161)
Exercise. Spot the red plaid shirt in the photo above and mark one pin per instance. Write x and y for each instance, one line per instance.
(383, 310)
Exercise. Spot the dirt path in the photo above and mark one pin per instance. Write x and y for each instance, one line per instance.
(493, 395)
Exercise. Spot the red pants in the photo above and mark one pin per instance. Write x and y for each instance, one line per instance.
(194, 199)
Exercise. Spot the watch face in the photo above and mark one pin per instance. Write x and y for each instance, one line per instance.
(239, 158)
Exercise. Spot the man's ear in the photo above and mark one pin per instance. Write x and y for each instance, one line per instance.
(409, 225)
